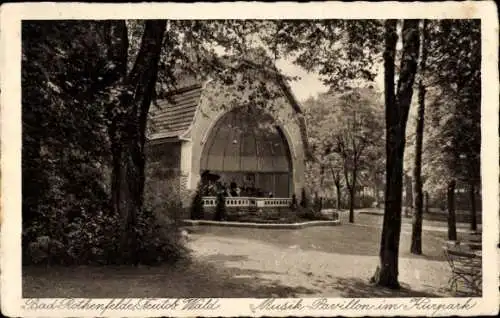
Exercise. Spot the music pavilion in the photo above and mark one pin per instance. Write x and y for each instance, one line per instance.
(192, 135)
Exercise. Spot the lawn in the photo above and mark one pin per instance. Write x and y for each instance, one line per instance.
(243, 262)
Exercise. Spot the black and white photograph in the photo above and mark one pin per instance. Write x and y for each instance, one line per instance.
(321, 166)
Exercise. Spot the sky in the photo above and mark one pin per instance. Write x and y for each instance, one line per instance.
(309, 84)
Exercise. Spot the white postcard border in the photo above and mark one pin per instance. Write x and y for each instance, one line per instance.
(11, 16)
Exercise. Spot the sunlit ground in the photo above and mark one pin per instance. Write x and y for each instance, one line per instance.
(239, 262)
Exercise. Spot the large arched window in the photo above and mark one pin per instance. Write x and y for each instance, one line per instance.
(249, 149)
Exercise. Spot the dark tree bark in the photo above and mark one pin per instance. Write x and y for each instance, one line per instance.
(129, 131)
(409, 195)
(473, 215)
(426, 202)
(376, 188)
(351, 189)
(416, 234)
(338, 187)
(339, 195)
(452, 225)
(397, 108)
(352, 195)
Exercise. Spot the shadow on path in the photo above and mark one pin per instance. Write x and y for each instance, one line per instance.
(358, 288)
(184, 280)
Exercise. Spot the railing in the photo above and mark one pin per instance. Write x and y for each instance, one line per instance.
(248, 201)
(273, 202)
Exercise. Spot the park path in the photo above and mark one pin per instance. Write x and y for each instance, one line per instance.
(330, 261)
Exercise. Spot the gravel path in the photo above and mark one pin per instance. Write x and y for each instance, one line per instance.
(241, 262)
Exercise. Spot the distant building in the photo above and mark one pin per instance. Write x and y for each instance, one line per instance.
(194, 131)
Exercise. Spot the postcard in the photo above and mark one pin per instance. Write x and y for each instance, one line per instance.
(249, 159)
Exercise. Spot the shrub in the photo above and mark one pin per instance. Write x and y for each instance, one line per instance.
(304, 202)
(317, 203)
(96, 239)
(311, 214)
(220, 208)
(293, 205)
(365, 201)
(197, 212)
(159, 240)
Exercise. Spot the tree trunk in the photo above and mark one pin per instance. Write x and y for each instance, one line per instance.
(416, 234)
(339, 195)
(473, 216)
(351, 204)
(452, 226)
(396, 117)
(130, 135)
(409, 195)
(376, 190)
(426, 202)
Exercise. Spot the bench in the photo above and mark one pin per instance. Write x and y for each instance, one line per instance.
(465, 268)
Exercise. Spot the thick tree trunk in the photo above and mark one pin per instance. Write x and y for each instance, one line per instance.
(473, 215)
(396, 117)
(452, 225)
(130, 135)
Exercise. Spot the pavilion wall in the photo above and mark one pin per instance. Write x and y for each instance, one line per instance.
(213, 105)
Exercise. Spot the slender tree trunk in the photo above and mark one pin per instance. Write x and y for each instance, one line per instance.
(339, 195)
(351, 204)
(351, 188)
(473, 215)
(376, 190)
(452, 225)
(130, 135)
(416, 235)
(397, 108)
(409, 195)
(426, 202)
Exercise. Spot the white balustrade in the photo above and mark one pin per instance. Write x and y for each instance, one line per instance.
(248, 201)
(209, 201)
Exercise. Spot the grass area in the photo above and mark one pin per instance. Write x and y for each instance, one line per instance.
(245, 262)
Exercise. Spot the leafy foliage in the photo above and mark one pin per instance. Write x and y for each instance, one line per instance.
(95, 239)
(346, 137)
(69, 91)
(453, 127)
(343, 52)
